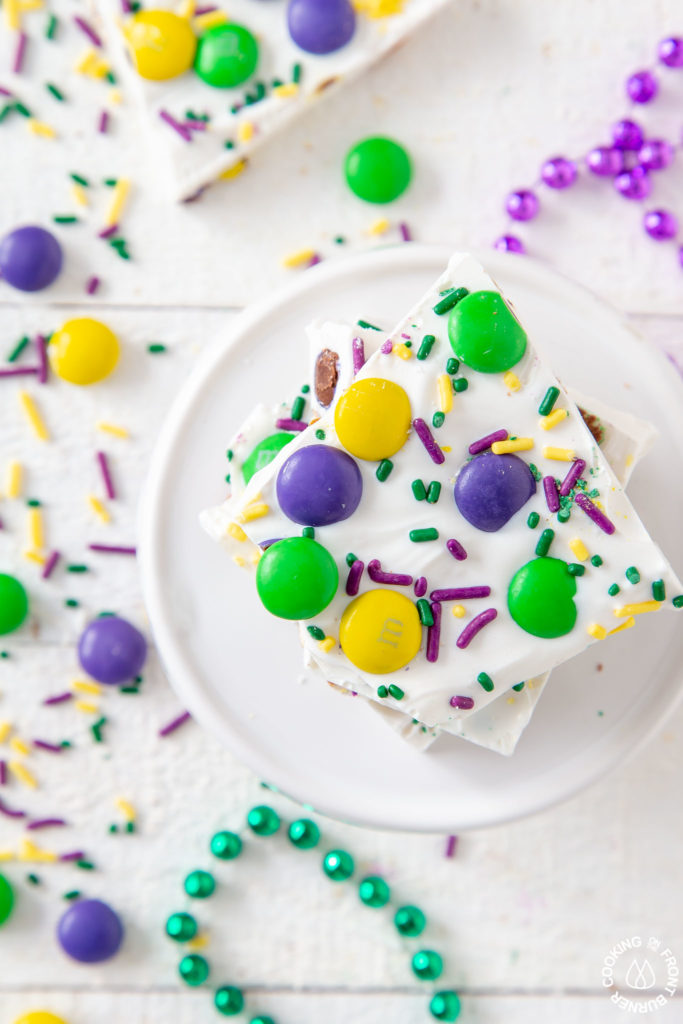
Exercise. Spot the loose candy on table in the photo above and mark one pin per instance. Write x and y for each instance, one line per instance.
(30, 258)
(161, 44)
(321, 26)
(112, 650)
(6, 900)
(227, 55)
(378, 169)
(83, 351)
(90, 931)
(296, 578)
(14, 604)
(319, 485)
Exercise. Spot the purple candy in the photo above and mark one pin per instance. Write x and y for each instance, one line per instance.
(111, 650)
(90, 931)
(30, 258)
(321, 26)
(490, 489)
(319, 485)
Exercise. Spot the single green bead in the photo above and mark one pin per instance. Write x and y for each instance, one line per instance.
(410, 921)
(226, 55)
(6, 899)
(264, 453)
(445, 1006)
(485, 334)
(262, 820)
(296, 578)
(181, 927)
(193, 969)
(304, 834)
(228, 1000)
(13, 604)
(200, 884)
(374, 892)
(338, 865)
(261, 1020)
(378, 169)
(226, 845)
(427, 965)
(541, 598)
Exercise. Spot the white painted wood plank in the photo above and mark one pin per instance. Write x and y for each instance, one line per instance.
(195, 1008)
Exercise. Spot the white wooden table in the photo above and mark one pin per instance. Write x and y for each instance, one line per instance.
(525, 913)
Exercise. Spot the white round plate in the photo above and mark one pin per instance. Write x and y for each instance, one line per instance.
(239, 671)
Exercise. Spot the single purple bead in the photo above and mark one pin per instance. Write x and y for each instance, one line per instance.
(30, 258)
(660, 225)
(321, 26)
(627, 134)
(670, 52)
(655, 154)
(319, 485)
(111, 650)
(90, 931)
(522, 204)
(605, 161)
(680, 255)
(634, 184)
(509, 243)
(641, 87)
(558, 172)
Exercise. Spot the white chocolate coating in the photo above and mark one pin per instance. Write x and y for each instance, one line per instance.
(379, 528)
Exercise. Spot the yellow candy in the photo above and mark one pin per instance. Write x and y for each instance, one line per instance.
(380, 631)
(39, 1017)
(372, 418)
(162, 45)
(83, 351)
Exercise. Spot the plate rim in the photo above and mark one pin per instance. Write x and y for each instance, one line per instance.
(618, 746)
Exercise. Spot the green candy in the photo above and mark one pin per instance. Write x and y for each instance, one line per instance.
(264, 452)
(226, 56)
(485, 334)
(296, 578)
(541, 598)
(6, 899)
(378, 169)
(13, 604)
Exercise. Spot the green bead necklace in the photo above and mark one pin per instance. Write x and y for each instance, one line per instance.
(338, 866)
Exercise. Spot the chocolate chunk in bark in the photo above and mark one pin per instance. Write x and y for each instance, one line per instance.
(326, 376)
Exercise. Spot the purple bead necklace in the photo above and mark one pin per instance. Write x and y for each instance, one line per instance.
(629, 161)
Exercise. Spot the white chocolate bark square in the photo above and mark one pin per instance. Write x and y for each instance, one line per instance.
(458, 673)
(246, 115)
